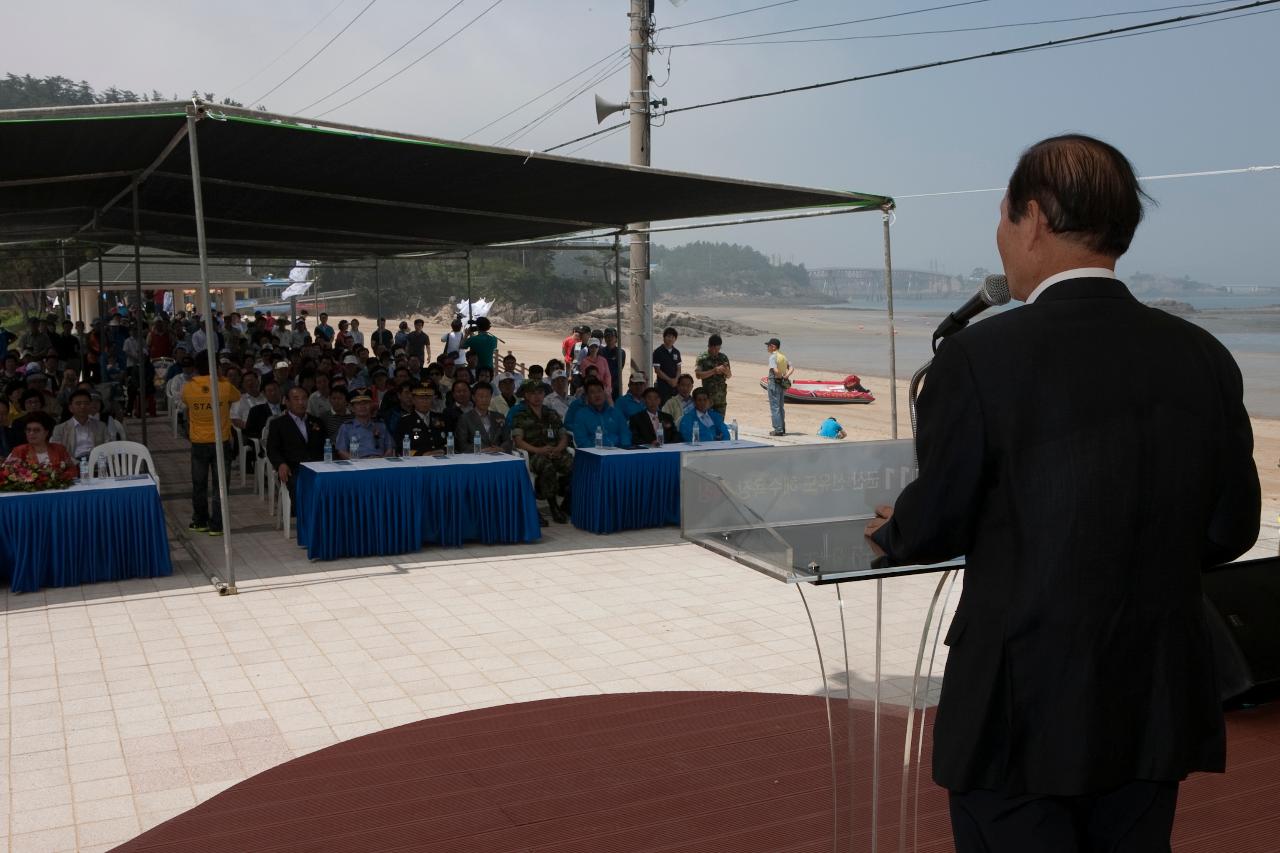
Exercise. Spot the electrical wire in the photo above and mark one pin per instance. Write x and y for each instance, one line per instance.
(953, 30)
(1211, 173)
(837, 23)
(313, 56)
(531, 125)
(387, 80)
(542, 95)
(1087, 38)
(384, 59)
(601, 138)
(730, 15)
(282, 54)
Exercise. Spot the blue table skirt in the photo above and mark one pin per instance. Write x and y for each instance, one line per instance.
(631, 489)
(99, 531)
(396, 508)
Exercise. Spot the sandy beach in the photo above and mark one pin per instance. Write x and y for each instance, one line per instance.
(749, 405)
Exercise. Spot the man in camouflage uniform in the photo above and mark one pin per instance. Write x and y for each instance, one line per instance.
(713, 371)
(538, 431)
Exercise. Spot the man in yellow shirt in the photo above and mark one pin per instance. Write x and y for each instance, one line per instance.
(197, 396)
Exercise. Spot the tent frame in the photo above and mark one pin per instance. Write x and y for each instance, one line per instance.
(196, 111)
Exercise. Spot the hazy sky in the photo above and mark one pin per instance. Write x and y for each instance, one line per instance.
(1194, 99)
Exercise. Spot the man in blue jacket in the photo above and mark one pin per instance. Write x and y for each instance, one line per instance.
(632, 402)
(710, 422)
(597, 413)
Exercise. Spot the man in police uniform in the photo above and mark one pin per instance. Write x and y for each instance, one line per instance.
(538, 431)
(425, 428)
(372, 435)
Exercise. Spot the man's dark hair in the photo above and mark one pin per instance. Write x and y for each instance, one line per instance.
(483, 324)
(700, 392)
(593, 383)
(651, 390)
(714, 341)
(683, 376)
(670, 330)
(1086, 188)
(78, 393)
(485, 385)
(31, 394)
(268, 382)
(457, 382)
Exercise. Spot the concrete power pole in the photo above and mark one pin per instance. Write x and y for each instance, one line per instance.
(640, 310)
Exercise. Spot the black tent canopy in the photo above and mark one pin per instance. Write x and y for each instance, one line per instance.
(328, 190)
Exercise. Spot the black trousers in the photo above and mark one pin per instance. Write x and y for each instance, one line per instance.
(204, 462)
(1135, 818)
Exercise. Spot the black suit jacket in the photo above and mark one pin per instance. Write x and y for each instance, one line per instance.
(642, 428)
(285, 444)
(1090, 456)
(257, 419)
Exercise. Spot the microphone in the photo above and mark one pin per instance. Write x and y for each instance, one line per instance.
(994, 291)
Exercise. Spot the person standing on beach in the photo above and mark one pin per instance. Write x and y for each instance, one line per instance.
(1080, 687)
(779, 382)
(713, 372)
(666, 364)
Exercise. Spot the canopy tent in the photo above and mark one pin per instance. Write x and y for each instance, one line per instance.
(248, 182)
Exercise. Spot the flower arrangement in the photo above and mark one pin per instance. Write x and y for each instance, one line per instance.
(19, 475)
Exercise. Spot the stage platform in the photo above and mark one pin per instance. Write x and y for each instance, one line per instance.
(678, 772)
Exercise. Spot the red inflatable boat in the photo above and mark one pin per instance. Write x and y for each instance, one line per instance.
(821, 391)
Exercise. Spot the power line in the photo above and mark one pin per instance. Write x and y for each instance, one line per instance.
(950, 31)
(1103, 35)
(282, 54)
(531, 125)
(1106, 35)
(838, 23)
(387, 80)
(729, 15)
(313, 56)
(538, 97)
(377, 64)
(601, 138)
(1210, 173)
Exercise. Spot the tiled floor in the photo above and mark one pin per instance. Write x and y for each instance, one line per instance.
(125, 704)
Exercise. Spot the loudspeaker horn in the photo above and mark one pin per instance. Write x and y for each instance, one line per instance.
(605, 108)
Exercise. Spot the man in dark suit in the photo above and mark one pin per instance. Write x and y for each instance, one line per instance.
(644, 424)
(263, 412)
(1061, 455)
(294, 438)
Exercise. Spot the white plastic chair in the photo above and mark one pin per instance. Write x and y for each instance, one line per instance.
(123, 458)
(246, 454)
(286, 511)
(174, 403)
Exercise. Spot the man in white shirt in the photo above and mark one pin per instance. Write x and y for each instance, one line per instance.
(80, 434)
(250, 396)
(558, 400)
(356, 335)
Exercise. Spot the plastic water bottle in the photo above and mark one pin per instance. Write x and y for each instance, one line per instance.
(734, 428)
(404, 445)
(102, 467)
(475, 442)
(448, 445)
(328, 450)
(84, 467)
(353, 448)
(697, 435)
(599, 437)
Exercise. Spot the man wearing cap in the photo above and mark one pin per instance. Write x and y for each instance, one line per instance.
(713, 371)
(425, 427)
(491, 426)
(779, 381)
(506, 396)
(482, 342)
(853, 382)
(197, 396)
(296, 437)
(371, 435)
(559, 399)
(538, 431)
(594, 359)
(632, 403)
(353, 373)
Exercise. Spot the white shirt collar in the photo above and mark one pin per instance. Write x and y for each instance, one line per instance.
(1081, 272)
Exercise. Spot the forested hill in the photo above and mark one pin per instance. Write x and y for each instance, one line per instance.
(24, 91)
(704, 269)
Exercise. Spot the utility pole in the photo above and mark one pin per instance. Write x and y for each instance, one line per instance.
(640, 332)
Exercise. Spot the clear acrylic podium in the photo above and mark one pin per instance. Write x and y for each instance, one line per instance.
(796, 514)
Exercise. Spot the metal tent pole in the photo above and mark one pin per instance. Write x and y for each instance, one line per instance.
(211, 346)
(66, 295)
(893, 353)
(470, 310)
(377, 285)
(617, 299)
(84, 354)
(102, 336)
(139, 332)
